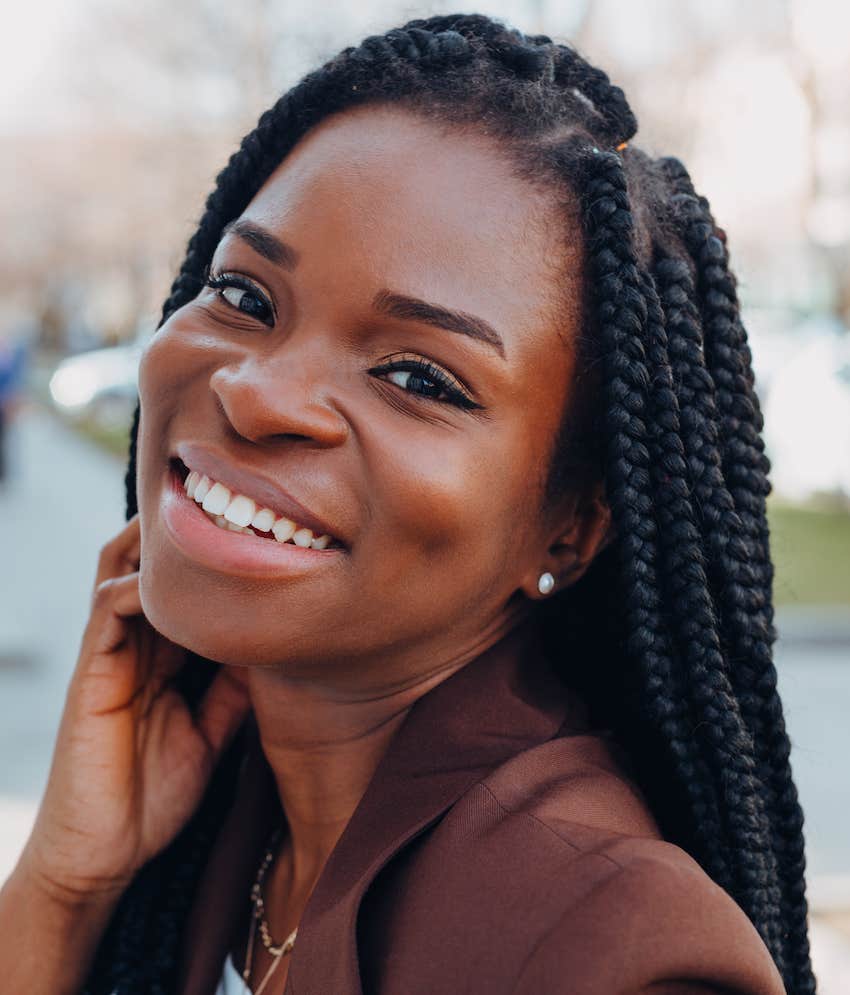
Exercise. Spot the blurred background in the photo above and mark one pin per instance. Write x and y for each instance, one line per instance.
(115, 118)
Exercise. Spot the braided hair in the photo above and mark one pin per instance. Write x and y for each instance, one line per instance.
(664, 410)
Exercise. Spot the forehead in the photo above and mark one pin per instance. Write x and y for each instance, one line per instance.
(388, 198)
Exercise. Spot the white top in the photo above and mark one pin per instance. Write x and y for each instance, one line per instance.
(231, 982)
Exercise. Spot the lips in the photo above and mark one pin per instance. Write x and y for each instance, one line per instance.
(239, 479)
(203, 543)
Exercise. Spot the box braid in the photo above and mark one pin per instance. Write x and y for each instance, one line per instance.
(745, 468)
(674, 618)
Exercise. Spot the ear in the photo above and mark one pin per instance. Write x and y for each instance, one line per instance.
(580, 528)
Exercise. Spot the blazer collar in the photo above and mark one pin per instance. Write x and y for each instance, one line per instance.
(504, 701)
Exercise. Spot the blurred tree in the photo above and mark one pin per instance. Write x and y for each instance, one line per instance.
(155, 96)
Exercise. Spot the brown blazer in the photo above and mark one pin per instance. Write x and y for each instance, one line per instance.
(498, 850)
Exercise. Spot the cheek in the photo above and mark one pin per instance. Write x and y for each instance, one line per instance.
(455, 506)
(176, 354)
(428, 489)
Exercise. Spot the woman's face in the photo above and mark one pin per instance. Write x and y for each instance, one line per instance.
(298, 381)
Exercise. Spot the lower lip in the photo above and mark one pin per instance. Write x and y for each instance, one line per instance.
(233, 552)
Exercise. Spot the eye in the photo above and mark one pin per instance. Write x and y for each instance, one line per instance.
(242, 294)
(425, 379)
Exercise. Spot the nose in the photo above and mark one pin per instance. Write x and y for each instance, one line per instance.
(265, 398)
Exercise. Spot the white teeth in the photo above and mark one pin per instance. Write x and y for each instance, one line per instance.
(240, 511)
(238, 528)
(264, 519)
(235, 512)
(286, 528)
(216, 500)
(303, 538)
(202, 488)
(192, 482)
(283, 529)
(223, 523)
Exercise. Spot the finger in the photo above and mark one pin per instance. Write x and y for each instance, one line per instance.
(222, 710)
(118, 595)
(115, 600)
(121, 554)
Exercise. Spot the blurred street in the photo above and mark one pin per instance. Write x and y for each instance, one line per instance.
(59, 507)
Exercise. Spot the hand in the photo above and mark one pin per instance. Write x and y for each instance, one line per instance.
(130, 762)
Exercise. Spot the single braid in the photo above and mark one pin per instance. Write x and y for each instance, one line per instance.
(617, 121)
(679, 605)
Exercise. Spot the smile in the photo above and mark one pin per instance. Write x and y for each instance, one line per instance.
(240, 513)
(204, 530)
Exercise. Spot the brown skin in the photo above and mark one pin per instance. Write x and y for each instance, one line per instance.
(439, 507)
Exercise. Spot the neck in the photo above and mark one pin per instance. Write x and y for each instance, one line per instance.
(323, 744)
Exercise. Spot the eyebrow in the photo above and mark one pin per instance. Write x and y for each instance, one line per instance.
(263, 242)
(387, 302)
(414, 309)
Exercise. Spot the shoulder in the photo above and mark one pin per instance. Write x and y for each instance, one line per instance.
(652, 920)
(643, 906)
(551, 872)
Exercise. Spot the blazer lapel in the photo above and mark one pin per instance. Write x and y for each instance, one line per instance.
(503, 702)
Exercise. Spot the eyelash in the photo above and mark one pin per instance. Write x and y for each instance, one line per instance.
(220, 281)
(423, 368)
(429, 371)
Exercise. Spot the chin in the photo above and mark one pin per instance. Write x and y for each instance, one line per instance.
(194, 624)
(188, 624)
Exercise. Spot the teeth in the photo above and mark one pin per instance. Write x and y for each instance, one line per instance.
(217, 499)
(263, 520)
(192, 483)
(303, 538)
(202, 488)
(235, 512)
(240, 511)
(284, 529)
(238, 528)
(223, 523)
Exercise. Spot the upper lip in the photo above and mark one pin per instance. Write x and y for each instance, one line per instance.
(241, 480)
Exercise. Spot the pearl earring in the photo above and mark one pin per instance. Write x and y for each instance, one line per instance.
(545, 583)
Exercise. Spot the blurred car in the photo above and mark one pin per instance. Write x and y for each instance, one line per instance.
(100, 385)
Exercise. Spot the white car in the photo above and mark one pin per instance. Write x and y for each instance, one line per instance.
(101, 384)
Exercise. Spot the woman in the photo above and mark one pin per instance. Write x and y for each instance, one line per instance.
(436, 653)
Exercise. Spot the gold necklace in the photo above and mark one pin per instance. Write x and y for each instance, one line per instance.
(258, 914)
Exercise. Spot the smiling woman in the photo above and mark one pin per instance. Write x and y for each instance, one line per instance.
(436, 653)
